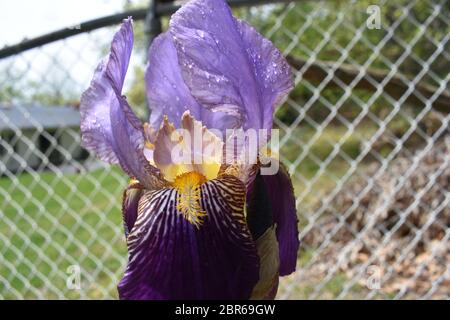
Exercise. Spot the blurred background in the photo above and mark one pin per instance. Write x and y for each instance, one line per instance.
(365, 135)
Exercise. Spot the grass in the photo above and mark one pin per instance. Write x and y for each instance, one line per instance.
(45, 213)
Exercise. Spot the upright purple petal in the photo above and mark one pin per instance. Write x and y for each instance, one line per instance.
(108, 125)
(119, 56)
(227, 65)
(169, 258)
(129, 145)
(95, 124)
(272, 72)
(167, 93)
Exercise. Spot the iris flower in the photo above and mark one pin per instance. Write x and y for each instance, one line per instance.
(206, 230)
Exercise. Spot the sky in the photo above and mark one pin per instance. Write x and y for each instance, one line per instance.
(21, 19)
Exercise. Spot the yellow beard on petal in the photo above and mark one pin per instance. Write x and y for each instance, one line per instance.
(189, 195)
(187, 157)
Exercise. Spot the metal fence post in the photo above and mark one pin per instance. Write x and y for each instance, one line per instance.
(152, 22)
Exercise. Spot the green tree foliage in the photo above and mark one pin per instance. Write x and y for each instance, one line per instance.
(328, 31)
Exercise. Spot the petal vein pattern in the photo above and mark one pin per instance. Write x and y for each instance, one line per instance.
(172, 259)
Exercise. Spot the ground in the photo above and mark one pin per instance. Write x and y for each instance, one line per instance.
(76, 219)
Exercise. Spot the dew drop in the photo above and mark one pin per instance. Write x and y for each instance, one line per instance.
(201, 34)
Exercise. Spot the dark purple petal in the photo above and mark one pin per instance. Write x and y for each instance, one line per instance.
(169, 258)
(108, 125)
(282, 198)
(259, 207)
(131, 197)
(227, 65)
(167, 93)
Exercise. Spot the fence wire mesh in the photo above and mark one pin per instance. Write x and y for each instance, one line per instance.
(365, 135)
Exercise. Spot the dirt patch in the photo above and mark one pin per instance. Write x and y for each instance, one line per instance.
(390, 229)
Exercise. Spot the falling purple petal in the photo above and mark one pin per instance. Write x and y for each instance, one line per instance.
(281, 195)
(131, 197)
(171, 259)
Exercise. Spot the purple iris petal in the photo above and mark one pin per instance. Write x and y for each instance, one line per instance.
(272, 72)
(227, 65)
(95, 121)
(167, 93)
(108, 125)
(281, 194)
(171, 259)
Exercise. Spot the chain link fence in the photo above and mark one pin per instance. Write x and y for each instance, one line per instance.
(365, 135)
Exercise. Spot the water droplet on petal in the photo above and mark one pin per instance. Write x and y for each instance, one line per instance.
(201, 33)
